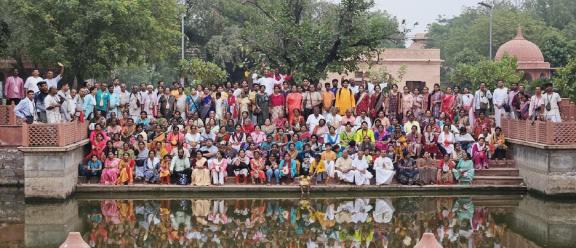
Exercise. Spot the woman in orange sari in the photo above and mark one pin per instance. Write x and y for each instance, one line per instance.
(448, 103)
(293, 101)
(126, 166)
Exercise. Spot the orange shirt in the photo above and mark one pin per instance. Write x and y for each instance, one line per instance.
(327, 99)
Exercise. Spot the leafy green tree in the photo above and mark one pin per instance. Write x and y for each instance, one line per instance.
(565, 79)
(306, 37)
(202, 72)
(487, 71)
(464, 37)
(92, 37)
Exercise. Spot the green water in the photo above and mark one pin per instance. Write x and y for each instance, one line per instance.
(291, 221)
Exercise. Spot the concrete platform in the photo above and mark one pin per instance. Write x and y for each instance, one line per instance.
(141, 190)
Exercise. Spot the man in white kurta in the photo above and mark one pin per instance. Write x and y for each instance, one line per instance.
(361, 174)
(551, 105)
(344, 169)
(499, 98)
(52, 103)
(384, 169)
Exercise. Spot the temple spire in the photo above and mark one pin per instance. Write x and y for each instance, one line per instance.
(519, 34)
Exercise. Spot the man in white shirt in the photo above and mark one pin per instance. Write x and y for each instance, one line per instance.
(53, 81)
(551, 104)
(67, 106)
(362, 118)
(268, 82)
(333, 118)
(353, 87)
(499, 98)
(32, 81)
(314, 119)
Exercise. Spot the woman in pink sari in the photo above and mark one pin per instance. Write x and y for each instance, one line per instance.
(110, 171)
(480, 154)
(448, 103)
(293, 101)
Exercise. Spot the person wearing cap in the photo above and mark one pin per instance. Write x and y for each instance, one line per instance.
(39, 101)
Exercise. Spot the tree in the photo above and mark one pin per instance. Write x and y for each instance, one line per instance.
(306, 37)
(465, 36)
(92, 37)
(565, 79)
(202, 72)
(487, 71)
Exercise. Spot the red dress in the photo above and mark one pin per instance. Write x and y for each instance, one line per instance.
(363, 104)
(448, 105)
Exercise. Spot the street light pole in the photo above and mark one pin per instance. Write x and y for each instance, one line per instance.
(182, 35)
(490, 7)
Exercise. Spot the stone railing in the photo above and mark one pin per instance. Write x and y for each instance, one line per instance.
(567, 110)
(7, 116)
(549, 133)
(54, 135)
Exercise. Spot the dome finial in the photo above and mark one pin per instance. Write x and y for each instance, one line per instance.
(519, 34)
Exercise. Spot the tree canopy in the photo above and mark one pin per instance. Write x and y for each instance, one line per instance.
(547, 23)
(91, 37)
(305, 37)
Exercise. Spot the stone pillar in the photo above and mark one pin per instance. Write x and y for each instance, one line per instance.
(48, 224)
(51, 172)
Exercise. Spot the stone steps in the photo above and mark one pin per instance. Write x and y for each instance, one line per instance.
(501, 163)
(498, 171)
(498, 180)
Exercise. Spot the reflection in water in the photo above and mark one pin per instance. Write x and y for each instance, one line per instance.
(360, 222)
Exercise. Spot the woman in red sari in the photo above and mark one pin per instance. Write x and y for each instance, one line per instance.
(293, 102)
(448, 103)
(277, 102)
(98, 145)
(362, 101)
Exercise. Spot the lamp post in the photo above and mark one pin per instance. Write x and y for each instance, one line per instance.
(490, 7)
(182, 35)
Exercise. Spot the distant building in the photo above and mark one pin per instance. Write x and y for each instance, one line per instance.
(529, 57)
(422, 65)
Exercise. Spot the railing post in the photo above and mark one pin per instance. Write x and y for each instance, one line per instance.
(25, 134)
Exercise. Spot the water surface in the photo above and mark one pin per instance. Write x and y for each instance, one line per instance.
(291, 221)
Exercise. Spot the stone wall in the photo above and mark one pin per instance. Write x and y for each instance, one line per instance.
(52, 172)
(11, 167)
(547, 169)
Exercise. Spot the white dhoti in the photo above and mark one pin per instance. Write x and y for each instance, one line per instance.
(330, 168)
(346, 176)
(362, 177)
(384, 176)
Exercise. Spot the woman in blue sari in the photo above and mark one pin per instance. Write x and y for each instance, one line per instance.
(207, 104)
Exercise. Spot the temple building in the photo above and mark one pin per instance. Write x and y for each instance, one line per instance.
(529, 57)
(420, 65)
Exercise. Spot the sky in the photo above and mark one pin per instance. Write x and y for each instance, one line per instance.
(423, 11)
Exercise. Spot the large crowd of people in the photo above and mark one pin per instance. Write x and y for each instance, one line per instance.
(270, 129)
(361, 222)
